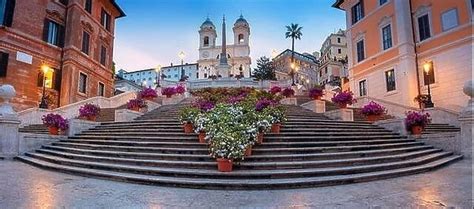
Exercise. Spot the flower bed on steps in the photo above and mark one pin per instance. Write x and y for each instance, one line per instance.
(232, 120)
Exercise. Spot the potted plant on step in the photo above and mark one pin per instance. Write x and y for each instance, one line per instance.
(187, 116)
(343, 98)
(275, 90)
(226, 146)
(55, 123)
(373, 111)
(136, 104)
(200, 122)
(288, 92)
(89, 112)
(316, 93)
(148, 94)
(416, 121)
(168, 91)
(180, 89)
(277, 115)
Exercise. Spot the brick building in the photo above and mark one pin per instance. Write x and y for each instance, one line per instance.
(73, 39)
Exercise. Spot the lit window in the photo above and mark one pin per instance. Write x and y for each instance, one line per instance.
(48, 79)
(390, 80)
(429, 78)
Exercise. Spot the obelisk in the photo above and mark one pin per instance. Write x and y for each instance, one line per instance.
(223, 68)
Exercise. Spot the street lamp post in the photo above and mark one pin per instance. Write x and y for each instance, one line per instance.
(427, 68)
(43, 104)
(181, 56)
(157, 70)
(292, 73)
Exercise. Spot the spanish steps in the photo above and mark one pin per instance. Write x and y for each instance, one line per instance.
(310, 151)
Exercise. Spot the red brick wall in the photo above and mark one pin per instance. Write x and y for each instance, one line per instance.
(26, 36)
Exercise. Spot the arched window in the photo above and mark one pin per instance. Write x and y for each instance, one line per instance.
(206, 40)
(241, 70)
(241, 38)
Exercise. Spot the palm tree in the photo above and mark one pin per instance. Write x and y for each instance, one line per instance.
(293, 31)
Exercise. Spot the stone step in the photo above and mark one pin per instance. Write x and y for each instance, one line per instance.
(284, 130)
(274, 138)
(256, 150)
(265, 145)
(174, 134)
(241, 165)
(253, 158)
(248, 174)
(239, 184)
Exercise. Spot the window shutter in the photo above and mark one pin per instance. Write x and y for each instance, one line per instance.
(3, 64)
(40, 79)
(9, 11)
(61, 36)
(57, 79)
(45, 30)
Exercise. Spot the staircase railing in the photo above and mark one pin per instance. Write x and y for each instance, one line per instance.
(33, 115)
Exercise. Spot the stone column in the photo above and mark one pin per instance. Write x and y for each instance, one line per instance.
(9, 124)
(466, 119)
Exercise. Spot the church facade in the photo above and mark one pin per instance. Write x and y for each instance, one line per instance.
(238, 53)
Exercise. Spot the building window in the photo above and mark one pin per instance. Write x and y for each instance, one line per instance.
(7, 8)
(85, 42)
(3, 64)
(101, 89)
(338, 40)
(88, 6)
(449, 19)
(429, 78)
(53, 33)
(357, 12)
(424, 27)
(382, 2)
(339, 51)
(105, 19)
(363, 88)
(387, 37)
(82, 83)
(241, 38)
(103, 55)
(390, 80)
(206, 41)
(360, 51)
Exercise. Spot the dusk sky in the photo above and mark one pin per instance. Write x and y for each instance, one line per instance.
(155, 31)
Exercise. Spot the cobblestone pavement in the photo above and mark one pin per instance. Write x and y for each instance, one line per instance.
(25, 186)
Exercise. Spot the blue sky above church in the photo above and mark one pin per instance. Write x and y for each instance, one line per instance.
(155, 31)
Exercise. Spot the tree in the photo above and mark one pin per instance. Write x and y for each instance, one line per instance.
(265, 69)
(293, 31)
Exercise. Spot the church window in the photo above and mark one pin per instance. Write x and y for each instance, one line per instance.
(241, 38)
(206, 41)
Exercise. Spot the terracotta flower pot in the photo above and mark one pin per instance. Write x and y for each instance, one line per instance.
(224, 165)
(137, 109)
(91, 118)
(188, 128)
(202, 137)
(342, 106)
(53, 130)
(373, 118)
(276, 128)
(416, 130)
(317, 98)
(260, 138)
(248, 151)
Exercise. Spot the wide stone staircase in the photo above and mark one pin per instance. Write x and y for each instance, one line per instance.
(311, 150)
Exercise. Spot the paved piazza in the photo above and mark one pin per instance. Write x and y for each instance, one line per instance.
(25, 186)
